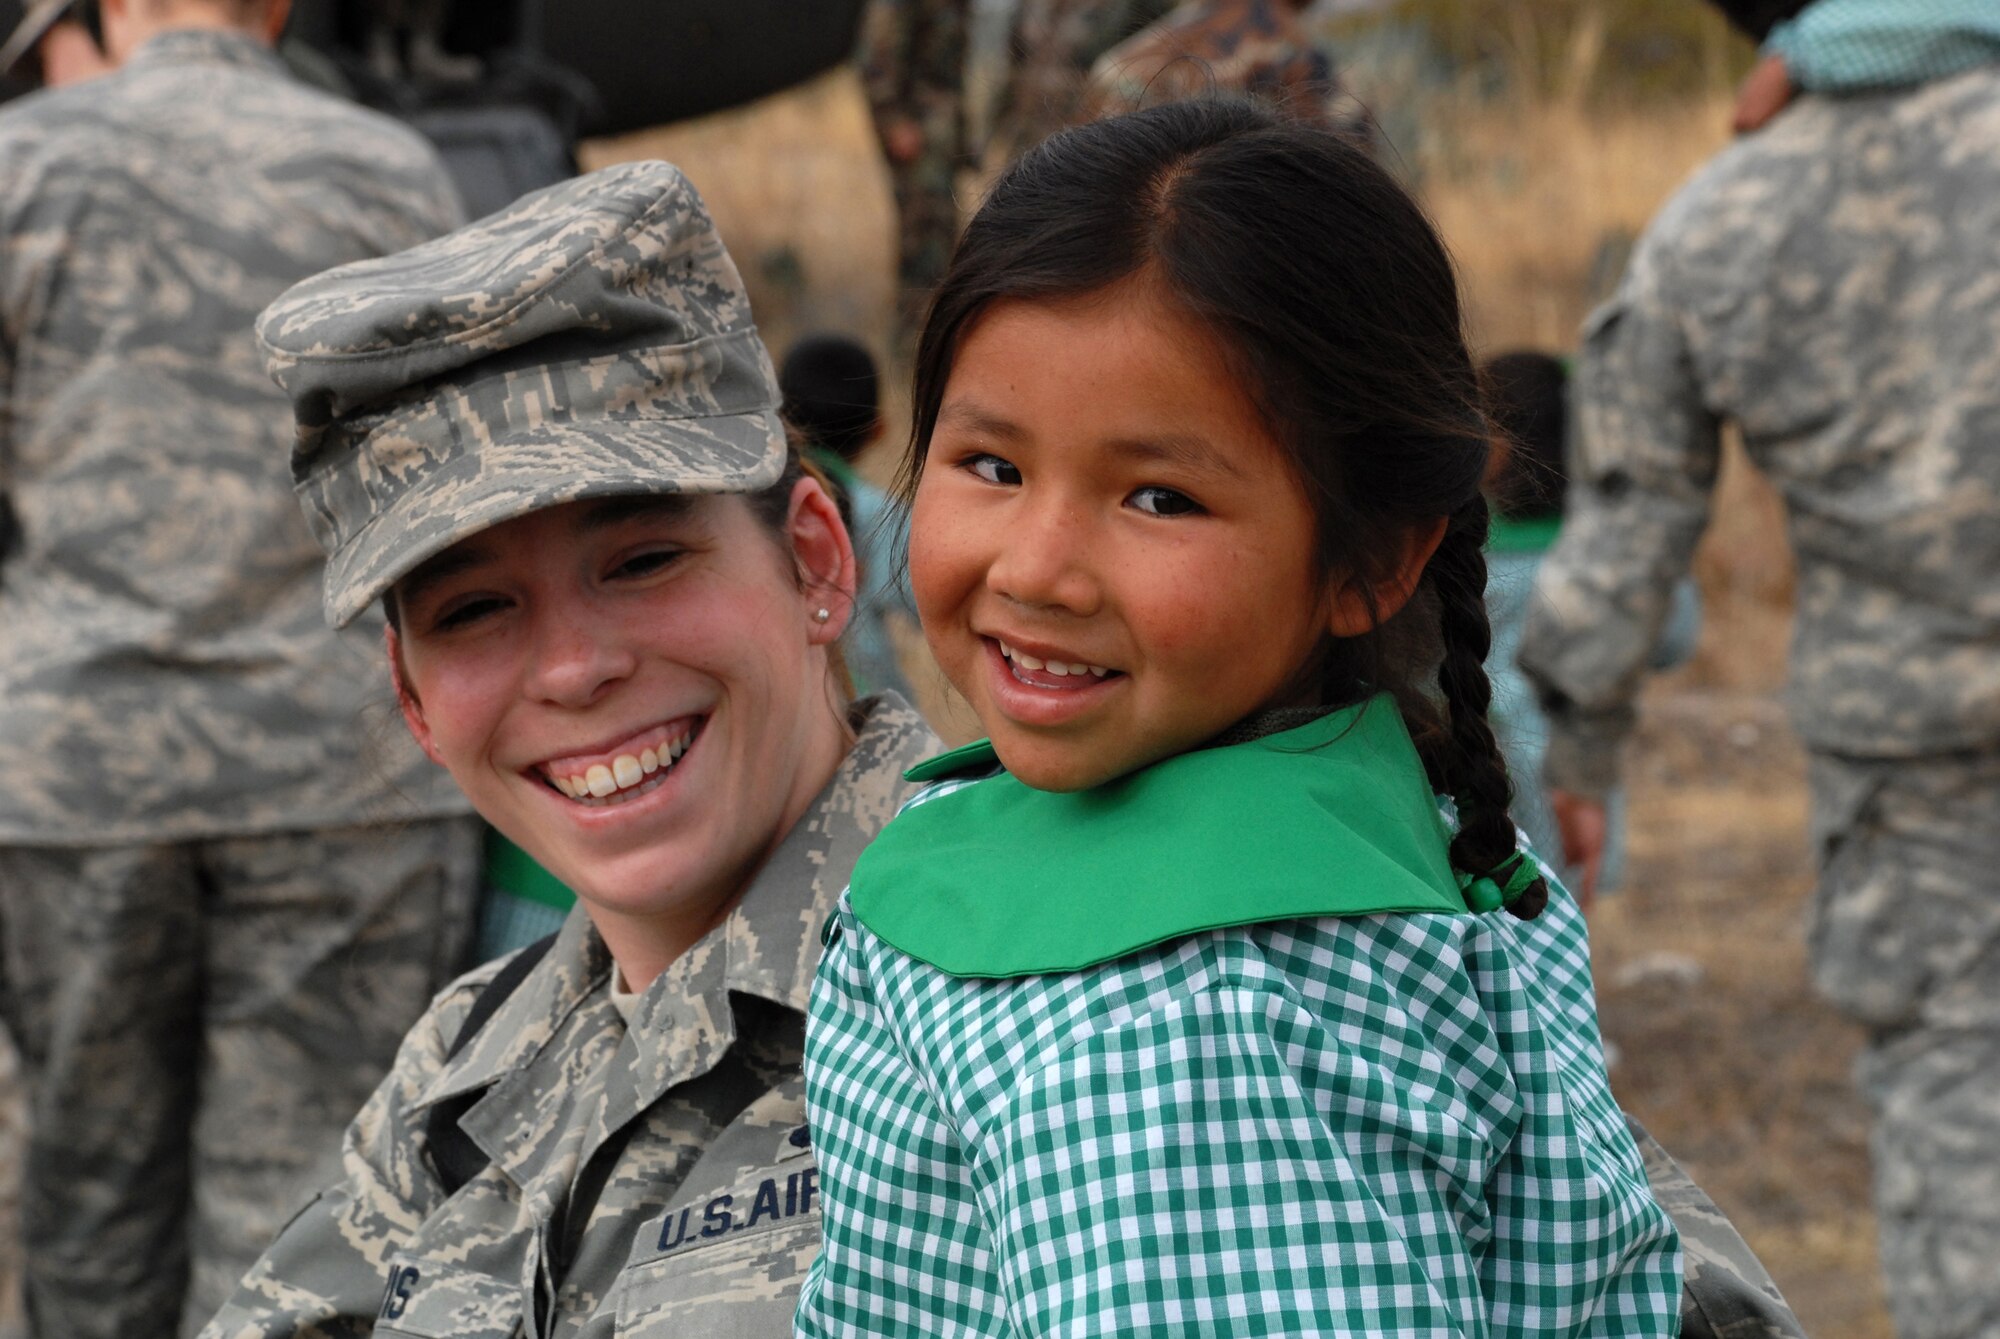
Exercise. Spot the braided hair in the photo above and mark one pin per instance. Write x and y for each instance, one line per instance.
(1335, 304)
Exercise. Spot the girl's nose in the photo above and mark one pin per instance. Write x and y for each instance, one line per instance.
(578, 658)
(1044, 561)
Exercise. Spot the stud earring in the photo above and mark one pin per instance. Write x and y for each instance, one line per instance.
(822, 615)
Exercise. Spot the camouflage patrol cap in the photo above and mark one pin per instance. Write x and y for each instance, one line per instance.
(592, 339)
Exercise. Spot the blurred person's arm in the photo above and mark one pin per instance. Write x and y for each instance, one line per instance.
(1851, 46)
(1650, 449)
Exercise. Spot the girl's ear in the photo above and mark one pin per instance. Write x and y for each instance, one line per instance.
(1359, 609)
(413, 710)
(825, 557)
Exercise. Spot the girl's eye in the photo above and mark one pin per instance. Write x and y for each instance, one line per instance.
(994, 470)
(1164, 502)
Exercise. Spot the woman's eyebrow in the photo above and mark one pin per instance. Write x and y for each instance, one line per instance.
(458, 558)
(647, 506)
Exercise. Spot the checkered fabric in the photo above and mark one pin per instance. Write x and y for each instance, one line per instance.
(1845, 46)
(1386, 1126)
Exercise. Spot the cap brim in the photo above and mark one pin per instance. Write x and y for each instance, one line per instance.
(34, 25)
(738, 453)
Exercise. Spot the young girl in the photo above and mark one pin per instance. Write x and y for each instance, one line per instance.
(1179, 1006)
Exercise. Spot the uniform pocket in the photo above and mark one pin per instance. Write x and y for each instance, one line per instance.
(427, 1300)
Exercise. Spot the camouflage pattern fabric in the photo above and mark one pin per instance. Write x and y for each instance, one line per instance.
(1905, 937)
(913, 63)
(197, 1022)
(1257, 47)
(1727, 1293)
(591, 339)
(650, 1179)
(1804, 287)
(1052, 46)
(1807, 287)
(163, 673)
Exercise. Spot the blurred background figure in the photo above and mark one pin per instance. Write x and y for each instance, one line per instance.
(1827, 286)
(914, 54)
(1528, 398)
(1259, 47)
(221, 903)
(833, 400)
(1051, 46)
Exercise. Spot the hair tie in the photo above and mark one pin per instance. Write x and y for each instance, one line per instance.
(1487, 892)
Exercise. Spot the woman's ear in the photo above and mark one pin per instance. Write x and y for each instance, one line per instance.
(1359, 609)
(413, 710)
(825, 558)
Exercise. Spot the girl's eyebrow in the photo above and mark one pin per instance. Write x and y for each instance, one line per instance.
(974, 418)
(1188, 452)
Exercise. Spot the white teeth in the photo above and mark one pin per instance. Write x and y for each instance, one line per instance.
(1058, 668)
(624, 772)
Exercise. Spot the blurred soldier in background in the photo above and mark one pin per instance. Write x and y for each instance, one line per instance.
(1258, 47)
(913, 60)
(1828, 285)
(221, 903)
(1052, 47)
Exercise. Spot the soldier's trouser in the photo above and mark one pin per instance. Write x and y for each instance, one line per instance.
(197, 1024)
(1905, 937)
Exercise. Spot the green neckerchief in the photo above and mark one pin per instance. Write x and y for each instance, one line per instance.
(1536, 534)
(997, 879)
(513, 870)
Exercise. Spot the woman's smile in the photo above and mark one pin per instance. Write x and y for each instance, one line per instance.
(616, 774)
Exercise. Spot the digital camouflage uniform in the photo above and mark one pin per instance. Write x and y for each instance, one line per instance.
(1258, 47)
(913, 62)
(1828, 285)
(650, 1179)
(227, 882)
(647, 1177)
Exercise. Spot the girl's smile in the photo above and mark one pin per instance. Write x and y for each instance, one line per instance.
(1111, 553)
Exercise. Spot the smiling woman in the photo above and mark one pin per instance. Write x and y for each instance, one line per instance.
(548, 443)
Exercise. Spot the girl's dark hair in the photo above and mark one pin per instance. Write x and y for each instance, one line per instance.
(1333, 297)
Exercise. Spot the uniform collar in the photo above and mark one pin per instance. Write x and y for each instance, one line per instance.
(767, 947)
(206, 46)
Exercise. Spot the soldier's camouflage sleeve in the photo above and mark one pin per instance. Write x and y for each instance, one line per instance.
(324, 1274)
(1825, 285)
(1648, 450)
(1727, 1293)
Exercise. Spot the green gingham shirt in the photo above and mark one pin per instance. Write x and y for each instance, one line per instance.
(1392, 1125)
